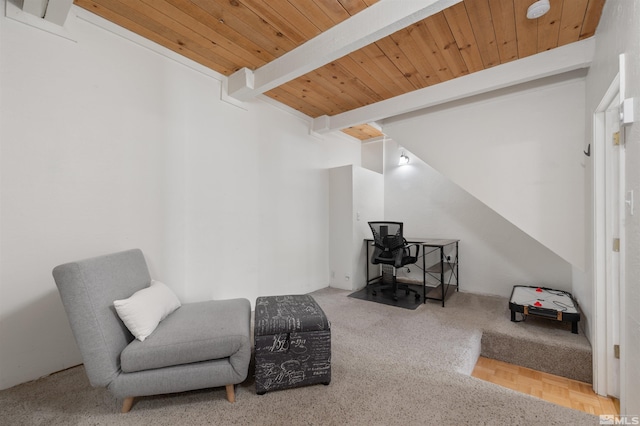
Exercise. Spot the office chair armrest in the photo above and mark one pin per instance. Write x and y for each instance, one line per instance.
(417, 246)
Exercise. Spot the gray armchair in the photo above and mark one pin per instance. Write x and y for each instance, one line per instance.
(200, 345)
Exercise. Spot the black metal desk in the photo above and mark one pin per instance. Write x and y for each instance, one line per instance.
(445, 268)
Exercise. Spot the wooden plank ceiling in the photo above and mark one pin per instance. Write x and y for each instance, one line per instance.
(473, 35)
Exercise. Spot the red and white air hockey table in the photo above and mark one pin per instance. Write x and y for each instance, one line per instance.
(544, 302)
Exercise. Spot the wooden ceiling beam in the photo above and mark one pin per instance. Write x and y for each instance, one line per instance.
(552, 62)
(54, 11)
(373, 23)
(35, 7)
(57, 11)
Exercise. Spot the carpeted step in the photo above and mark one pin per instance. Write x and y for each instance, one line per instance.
(567, 357)
(538, 343)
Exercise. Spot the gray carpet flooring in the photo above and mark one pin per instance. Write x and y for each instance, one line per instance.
(390, 366)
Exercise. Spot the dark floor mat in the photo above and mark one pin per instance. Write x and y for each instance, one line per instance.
(384, 296)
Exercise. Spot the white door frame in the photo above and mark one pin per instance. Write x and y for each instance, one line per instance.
(614, 197)
(599, 344)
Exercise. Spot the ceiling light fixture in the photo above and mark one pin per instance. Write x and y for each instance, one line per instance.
(404, 159)
(538, 9)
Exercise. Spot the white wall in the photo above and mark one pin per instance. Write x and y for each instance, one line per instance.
(494, 254)
(372, 155)
(618, 32)
(519, 151)
(368, 205)
(341, 227)
(257, 202)
(107, 145)
(356, 198)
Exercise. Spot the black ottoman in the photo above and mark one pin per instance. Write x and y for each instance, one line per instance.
(292, 342)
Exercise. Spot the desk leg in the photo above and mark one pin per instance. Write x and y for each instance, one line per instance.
(366, 265)
(424, 277)
(457, 270)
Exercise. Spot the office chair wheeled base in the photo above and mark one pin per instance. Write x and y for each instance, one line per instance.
(394, 289)
(395, 297)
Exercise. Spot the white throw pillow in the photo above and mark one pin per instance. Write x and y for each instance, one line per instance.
(143, 311)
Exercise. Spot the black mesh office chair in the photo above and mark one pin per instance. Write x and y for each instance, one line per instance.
(390, 248)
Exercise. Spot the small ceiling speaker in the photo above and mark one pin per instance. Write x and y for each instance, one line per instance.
(538, 9)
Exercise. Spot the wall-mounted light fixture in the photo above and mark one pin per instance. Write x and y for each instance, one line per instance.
(538, 9)
(404, 159)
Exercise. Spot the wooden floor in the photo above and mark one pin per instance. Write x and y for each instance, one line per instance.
(555, 389)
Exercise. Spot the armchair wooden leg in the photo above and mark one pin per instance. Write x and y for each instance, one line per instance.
(231, 394)
(127, 404)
